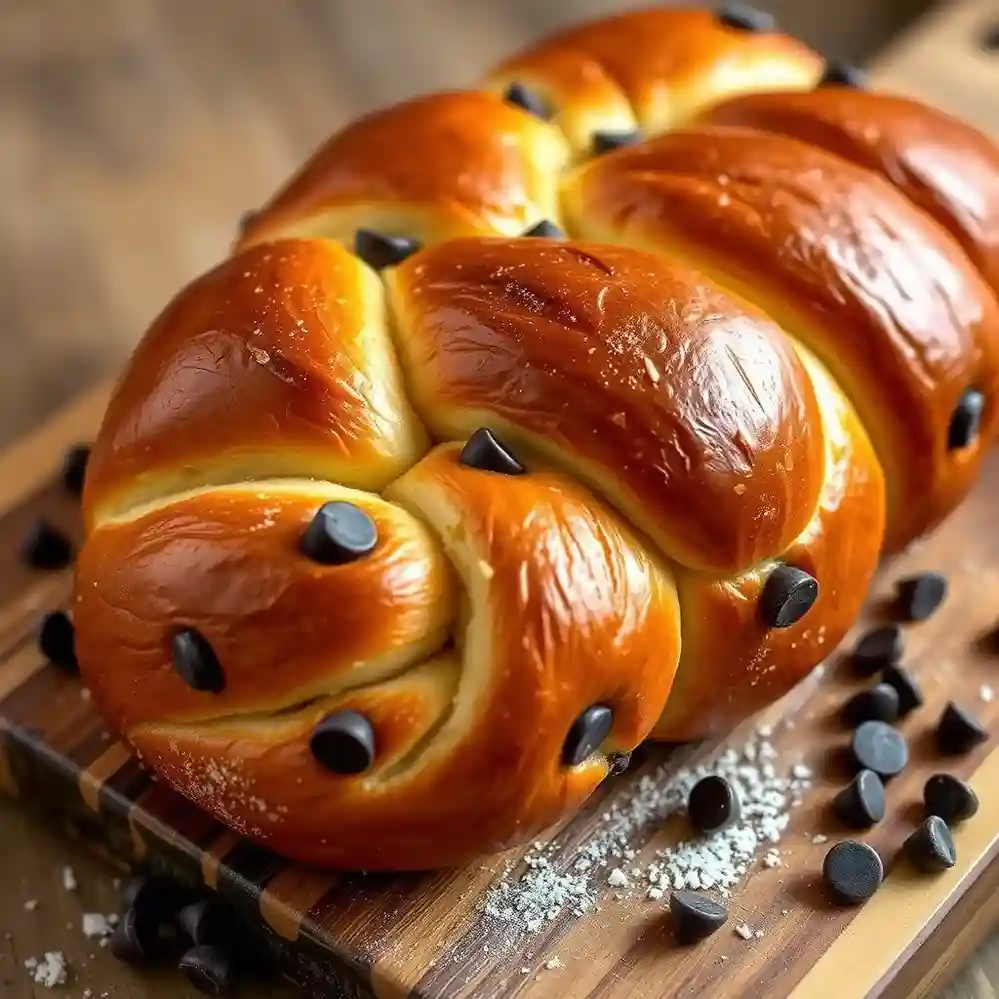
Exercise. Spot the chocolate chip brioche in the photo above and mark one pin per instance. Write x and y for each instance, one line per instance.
(529, 422)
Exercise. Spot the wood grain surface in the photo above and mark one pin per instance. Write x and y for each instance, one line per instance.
(134, 132)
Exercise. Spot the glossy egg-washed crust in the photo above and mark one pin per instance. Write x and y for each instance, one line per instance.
(745, 354)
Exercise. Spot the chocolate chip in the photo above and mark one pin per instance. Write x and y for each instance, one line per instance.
(695, 916)
(619, 763)
(852, 872)
(136, 936)
(195, 662)
(74, 468)
(57, 641)
(484, 451)
(608, 141)
(380, 250)
(545, 230)
(878, 647)
(210, 970)
(339, 533)
(861, 804)
(966, 420)
(931, 846)
(950, 798)
(587, 733)
(46, 547)
(919, 596)
(526, 99)
(877, 746)
(713, 804)
(879, 703)
(910, 696)
(743, 17)
(207, 922)
(787, 596)
(958, 731)
(344, 743)
(843, 74)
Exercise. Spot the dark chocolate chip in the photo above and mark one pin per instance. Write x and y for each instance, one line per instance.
(545, 230)
(852, 872)
(861, 804)
(607, 142)
(788, 595)
(57, 640)
(484, 451)
(46, 547)
(526, 99)
(380, 250)
(619, 763)
(877, 703)
(210, 970)
(195, 662)
(713, 804)
(743, 17)
(843, 74)
(208, 921)
(878, 647)
(344, 743)
(136, 937)
(966, 420)
(339, 533)
(74, 468)
(950, 798)
(919, 596)
(958, 731)
(587, 733)
(910, 696)
(695, 916)
(879, 747)
(931, 846)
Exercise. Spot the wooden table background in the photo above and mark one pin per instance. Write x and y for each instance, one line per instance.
(132, 135)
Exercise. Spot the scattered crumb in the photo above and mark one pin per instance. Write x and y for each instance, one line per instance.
(819, 838)
(723, 957)
(656, 893)
(771, 859)
(50, 970)
(31, 905)
(525, 971)
(744, 931)
(758, 934)
(96, 924)
(87, 994)
(783, 912)
(765, 731)
(801, 772)
(618, 879)
(85, 693)
(986, 693)
(69, 881)
(552, 963)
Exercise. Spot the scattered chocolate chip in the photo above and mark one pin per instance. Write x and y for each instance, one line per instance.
(74, 468)
(966, 420)
(619, 763)
(861, 804)
(545, 230)
(878, 647)
(344, 743)
(877, 703)
(531, 102)
(380, 250)
(484, 451)
(919, 596)
(958, 731)
(206, 922)
(46, 547)
(339, 533)
(195, 662)
(695, 916)
(135, 938)
(843, 74)
(910, 696)
(852, 872)
(877, 746)
(713, 804)
(950, 798)
(743, 17)
(787, 596)
(588, 731)
(57, 640)
(931, 846)
(607, 142)
(210, 970)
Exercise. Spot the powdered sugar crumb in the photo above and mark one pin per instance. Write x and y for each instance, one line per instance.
(50, 970)
(96, 924)
(69, 879)
(744, 931)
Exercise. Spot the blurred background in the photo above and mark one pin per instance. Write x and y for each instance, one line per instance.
(133, 133)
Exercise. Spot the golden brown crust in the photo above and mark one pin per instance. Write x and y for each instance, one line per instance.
(880, 293)
(684, 405)
(944, 166)
(652, 68)
(431, 168)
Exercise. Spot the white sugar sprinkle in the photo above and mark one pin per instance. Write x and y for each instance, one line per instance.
(986, 693)
(69, 879)
(618, 879)
(744, 931)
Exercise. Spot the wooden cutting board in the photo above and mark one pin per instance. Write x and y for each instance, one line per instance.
(425, 937)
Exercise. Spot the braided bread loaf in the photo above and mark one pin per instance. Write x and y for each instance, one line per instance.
(412, 518)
